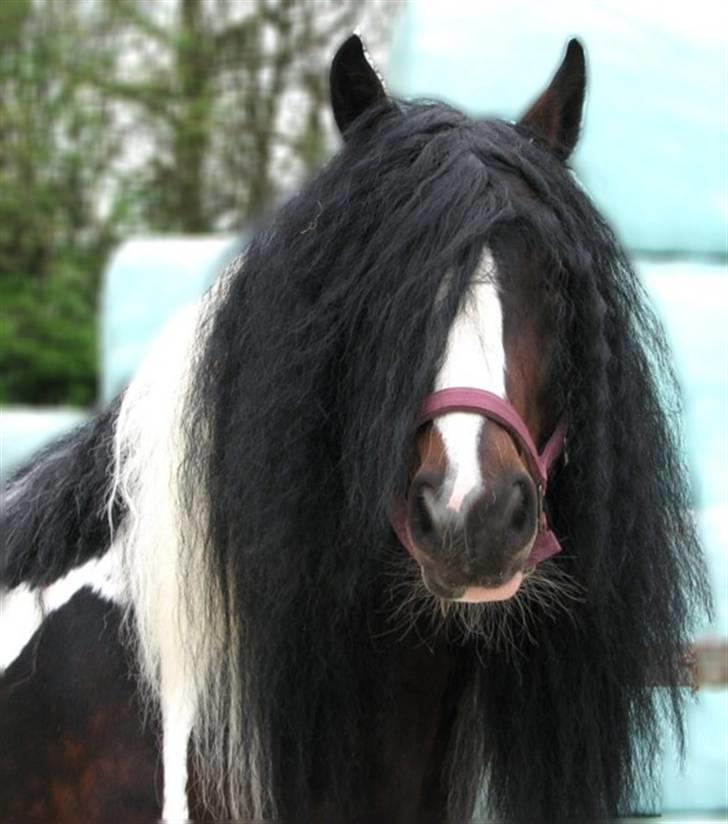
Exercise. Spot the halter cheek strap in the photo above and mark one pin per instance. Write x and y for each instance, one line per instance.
(466, 399)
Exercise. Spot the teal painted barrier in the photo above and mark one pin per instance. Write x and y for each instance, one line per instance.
(146, 281)
(654, 149)
(25, 429)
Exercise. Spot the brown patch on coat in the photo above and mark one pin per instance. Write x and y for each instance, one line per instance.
(74, 747)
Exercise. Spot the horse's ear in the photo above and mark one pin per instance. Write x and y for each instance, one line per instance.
(555, 117)
(355, 85)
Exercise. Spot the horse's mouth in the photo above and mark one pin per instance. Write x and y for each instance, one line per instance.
(483, 590)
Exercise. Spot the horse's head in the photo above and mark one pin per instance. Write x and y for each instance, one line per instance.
(489, 433)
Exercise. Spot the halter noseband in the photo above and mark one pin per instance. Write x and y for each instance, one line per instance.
(466, 399)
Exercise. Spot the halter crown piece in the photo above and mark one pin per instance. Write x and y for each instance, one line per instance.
(467, 399)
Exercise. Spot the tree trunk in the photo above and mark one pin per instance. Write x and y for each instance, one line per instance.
(190, 126)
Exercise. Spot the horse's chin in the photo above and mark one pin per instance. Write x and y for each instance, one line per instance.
(474, 593)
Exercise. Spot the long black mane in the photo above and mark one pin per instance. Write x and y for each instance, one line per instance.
(301, 422)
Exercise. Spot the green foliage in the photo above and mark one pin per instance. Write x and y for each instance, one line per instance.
(120, 116)
(55, 144)
(47, 340)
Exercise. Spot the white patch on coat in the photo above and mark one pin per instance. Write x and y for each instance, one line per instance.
(20, 617)
(475, 357)
(23, 610)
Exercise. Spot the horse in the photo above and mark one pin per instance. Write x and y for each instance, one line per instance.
(393, 525)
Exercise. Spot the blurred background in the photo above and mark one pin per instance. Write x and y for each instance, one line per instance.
(129, 117)
(140, 139)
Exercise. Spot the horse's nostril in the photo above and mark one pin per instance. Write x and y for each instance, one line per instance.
(423, 516)
(422, 504)
(520, 505)
(501, 522)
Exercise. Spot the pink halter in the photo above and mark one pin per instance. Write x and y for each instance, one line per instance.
(465, 399)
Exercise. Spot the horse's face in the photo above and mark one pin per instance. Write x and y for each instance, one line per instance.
(473, 517)
(472, 506)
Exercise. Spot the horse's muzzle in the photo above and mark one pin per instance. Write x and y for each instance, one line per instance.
(483, 543)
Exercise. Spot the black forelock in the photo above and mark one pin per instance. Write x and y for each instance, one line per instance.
(330, 335)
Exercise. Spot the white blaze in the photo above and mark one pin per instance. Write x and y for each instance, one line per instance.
(474, 358)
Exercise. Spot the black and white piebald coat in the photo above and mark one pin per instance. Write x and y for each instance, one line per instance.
(107, 496)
